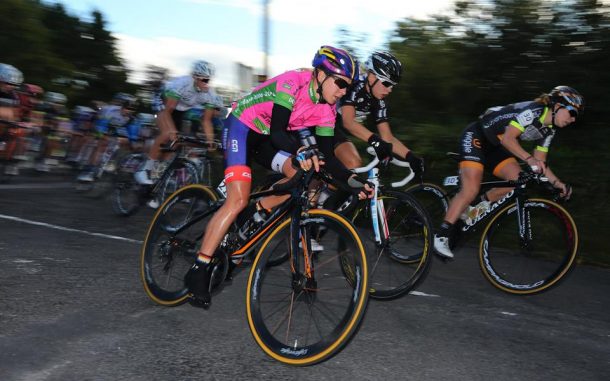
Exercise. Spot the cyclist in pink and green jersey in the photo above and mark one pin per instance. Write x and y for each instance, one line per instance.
(259, 126)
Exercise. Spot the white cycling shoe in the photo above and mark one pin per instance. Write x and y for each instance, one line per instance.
(441, 245)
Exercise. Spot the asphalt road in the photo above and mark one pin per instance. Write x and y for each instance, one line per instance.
(73, 308)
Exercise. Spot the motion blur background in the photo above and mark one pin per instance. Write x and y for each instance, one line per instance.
(471, 56)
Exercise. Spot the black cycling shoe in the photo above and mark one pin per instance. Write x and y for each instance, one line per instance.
(197, 280)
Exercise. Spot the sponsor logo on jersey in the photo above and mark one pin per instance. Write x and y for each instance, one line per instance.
(525, 118)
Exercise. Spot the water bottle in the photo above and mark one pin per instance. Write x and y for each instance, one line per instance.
(252, 223)
(222, 188)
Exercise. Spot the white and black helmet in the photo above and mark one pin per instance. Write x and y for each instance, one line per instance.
(385, 66)
(568, 96)
(202, 69)
(10, 74)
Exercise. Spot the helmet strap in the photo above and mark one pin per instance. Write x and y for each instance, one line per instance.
(321, 99)
(370, 89)
(553, 114)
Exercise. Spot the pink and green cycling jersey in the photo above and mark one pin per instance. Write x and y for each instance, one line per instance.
(294, 90)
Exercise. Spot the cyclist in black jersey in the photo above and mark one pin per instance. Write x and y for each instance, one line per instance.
(367, 97)
(492, 142)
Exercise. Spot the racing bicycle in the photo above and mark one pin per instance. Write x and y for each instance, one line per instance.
(396, 230)
(528, 244)
(302, 306)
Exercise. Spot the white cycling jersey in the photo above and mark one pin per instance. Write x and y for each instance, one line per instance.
(183, 89)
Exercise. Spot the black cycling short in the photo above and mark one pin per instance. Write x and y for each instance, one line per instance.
(475, 148)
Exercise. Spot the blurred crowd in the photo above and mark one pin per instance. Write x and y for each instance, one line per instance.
(39, 130)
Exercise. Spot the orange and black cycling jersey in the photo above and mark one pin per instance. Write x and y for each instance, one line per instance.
(526, 116)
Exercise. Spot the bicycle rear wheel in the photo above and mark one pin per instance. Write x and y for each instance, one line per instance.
(402, 261)
(302, 317)
(433, 198)
(126, 196)
(536, 263)
(172, 242)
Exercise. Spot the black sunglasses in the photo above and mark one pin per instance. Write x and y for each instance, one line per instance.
(341, 83)
(573, 112)
(387, 84)
(204, 80)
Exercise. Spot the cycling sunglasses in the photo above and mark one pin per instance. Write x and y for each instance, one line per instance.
(573, 111)
(341, 83)
(387, 84)
(204, 80)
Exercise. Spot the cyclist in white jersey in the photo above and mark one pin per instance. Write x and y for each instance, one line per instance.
(178, 96)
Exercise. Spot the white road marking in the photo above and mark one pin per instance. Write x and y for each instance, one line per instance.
(36, 186)
(44, 224)
(419, 293)
(508, 313)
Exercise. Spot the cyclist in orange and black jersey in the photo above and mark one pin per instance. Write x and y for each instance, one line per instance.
(492, 142)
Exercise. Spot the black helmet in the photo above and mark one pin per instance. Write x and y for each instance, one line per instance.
(385, 66)
(567, 96)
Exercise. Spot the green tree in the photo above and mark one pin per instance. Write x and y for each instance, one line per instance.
(25, 42)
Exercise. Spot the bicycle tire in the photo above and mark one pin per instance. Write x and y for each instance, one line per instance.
(401, 263)
(433, 198)
(104, 179)
(548, 258)
(126, 195)
(283, 306)
(182, 173)
(170, 249)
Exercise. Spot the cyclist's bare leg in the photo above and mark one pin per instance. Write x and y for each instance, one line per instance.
(347, 154)
(238, 193)
(101, 148)
(167, 132)
(470, 180)
(509, 171)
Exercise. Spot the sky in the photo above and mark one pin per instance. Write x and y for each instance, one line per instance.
(174, 33)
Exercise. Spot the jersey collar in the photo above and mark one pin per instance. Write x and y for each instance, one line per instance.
(312, 92)
(544, 113)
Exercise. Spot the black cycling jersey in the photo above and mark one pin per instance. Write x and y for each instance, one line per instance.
(364, 103)
(527, 116)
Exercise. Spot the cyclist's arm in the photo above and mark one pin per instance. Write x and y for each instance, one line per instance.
(332, 164)
(385, 132)
(164, 119)
(280, 137)
(511, 143)
(348, 115)
(206, 124)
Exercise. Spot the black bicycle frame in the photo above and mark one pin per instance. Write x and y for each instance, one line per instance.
(295, 203)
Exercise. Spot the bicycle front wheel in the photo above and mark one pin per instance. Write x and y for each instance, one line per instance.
(535, 262)
(402, 260)
(172, 241)
(304, 310)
